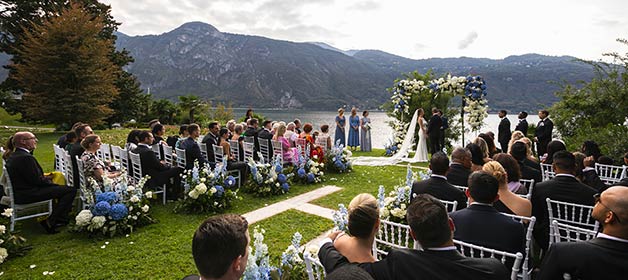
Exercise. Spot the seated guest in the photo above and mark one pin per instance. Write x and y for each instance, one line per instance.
(460, 167)
(349, 272)
(290, 155)
(483, 149)
(514, 137)
(553, 147)
(70, 139)
(160, 172)
(252, 130)
(290, 134)
(63, 141)
(265, 135)
(490, 144)
(297, 126)
(585, 172)
(477, 158)
(29, 183)
(508, 202)
(511, 166)
(183, 134)
(132, 140)
(153, 122)
(211, 139)
(77, 150)
(315, 150)
(590, 148)
(481, 223)
(605, 160)
(325, 136)
(232, 161)
(530, 160)
(231, 127)
(93, 167)
(220, 248)
(603, 257)
(437, 184)
(363, 224)
(192, 150)
(624, 181)
(433, 230)
(158, 131)
(237, 136)
(518, 152)
(564, 187)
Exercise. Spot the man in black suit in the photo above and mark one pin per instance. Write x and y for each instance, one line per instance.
(444, 126)
(77, 150)
(481, 223)
(460, 167)
(433, 131)
(437, 185)
(503, 131)
(30, 185)
(211, 139)
(160, 173)
(603, 257)
(543, 133)
(192, 150)
(564, 187)
(523, 123)
(266, 132)
(519, 152)
(432, 229)
(252, 130)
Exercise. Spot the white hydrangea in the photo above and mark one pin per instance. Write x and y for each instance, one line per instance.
(193, 194)
(3, 254)
(135, 199)
(201, 188)
(145, 208)
(130, 188)
(149, 195)
(83, 218)
(98, 221)
(8, 212)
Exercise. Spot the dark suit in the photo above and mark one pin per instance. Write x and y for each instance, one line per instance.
(159, 173)
(209, 140)
(591, 179)
(561, 188)
(265, 135)
(528, 173)
(433, 131)
(543, 134)
(458, 175)
(415, 264)
(443, 127)
(440, 189)
(598, 258)
(483, 225)
(193, 152)
(504, 133)
(252, 131)
(30, 185)
(623, 182)
(522, 126)
(532, 164)
(77, 150)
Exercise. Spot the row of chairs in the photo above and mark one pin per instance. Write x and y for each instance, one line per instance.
(609, 174)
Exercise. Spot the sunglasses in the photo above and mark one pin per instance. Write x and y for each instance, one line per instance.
(597, 197)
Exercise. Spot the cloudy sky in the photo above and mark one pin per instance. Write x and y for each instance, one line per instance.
(415, 29)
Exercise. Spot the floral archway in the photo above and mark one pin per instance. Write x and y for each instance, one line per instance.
(472, 89)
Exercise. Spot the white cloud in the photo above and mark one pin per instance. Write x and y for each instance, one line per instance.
(464, 43)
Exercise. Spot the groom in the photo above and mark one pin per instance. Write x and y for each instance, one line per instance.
(433, 130)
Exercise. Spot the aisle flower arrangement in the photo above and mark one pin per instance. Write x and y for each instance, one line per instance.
(258, 264)
(267, 179)
(394, 206)
(337, 159)
(116, 210)
(340, 217)
(11, 245)
(394, 143)
(207, 190)
(307, 171)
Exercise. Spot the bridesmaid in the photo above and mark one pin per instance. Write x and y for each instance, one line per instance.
(354, 130)
(365, 135)
(339, 137)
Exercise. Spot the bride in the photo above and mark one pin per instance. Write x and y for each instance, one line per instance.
(421, 149)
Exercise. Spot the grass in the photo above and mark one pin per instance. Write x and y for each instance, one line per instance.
(372, 153)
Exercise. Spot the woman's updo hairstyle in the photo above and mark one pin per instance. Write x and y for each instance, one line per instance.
(496, 170)
(363, 215)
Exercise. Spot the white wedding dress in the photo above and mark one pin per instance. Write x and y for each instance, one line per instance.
(421, 148)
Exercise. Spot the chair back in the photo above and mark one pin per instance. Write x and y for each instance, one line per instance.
(464, 190)
(124, 160)
(203, 147)
(168, 157)
(302, 144)
(115, 154)
(181, 162)
(249, 149)
(17, 208)
(313, 267)
(547, 172)
(571, 214)
(322, 142)
(264, 148)
(219, 154)
(249, 139)
(136, 166)
(157, 150)
(450, 205)
(610, 174)
(105, 152)
(9, 187)
(277, 149)
(529, 184)
(568, 233)
(391, 235)
(472, 250)
(528, 224)
(59, 159)
(234, 146)
(81, 171)
(69, 169)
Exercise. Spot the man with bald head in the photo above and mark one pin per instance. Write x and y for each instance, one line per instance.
(29, 183)
(460, 167)
(604, 257)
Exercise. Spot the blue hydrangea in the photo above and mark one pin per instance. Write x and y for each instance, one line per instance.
(109, 197)
(119, 211)
(230, 182)
(281, 178)
(278, 168)
(301, 172)
(101, 208)
(393, 148)
(285, 187)
(219, 191)
(310, 178)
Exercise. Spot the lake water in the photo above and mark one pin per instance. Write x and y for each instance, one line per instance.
(380, 132)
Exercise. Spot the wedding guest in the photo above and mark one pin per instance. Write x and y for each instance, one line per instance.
(81, 131)
(443, 128)
(220, 247)
(252, 130)
(290, 134)
(266, 132)
(231, 127)
(365, 134)
(70, 139)
(353, 141)
(490, 144)
(522, 126)
(210, 139)
(437, 184)
(62, 141)
(158, 131)
(237, 136)
(433, 131)
(325, 137)
(516, 135)
(183, 134)
(483, 149)
(93, 167)
(341, 122)
(290, 154)
(510, 164)
(132, 140)
(605, 160)
(477, 157)
(460, 167)
(508, 201)
(553, 147)
(532, 161)
(543, 133)
(192, 150)
(153, 122)
(297, 126)
(586, 173)
(363, 225)
(349, 272)
(159, 171)
(316, 152)
(503, 131)
(248, 115)
(233, 162)
(518, 150)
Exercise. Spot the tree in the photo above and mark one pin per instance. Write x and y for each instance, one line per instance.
(596, 110)
(65, 70)
(165, 110)
(191, 104)
(131, 103)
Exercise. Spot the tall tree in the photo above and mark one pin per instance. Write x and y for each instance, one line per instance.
(165, 110)
(66, 71)
(191, 104)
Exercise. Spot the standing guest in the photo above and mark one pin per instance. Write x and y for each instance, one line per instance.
(77, 150)
(220, 248)
(503, 131)
(490, 144)
(553, 147)
(564, 187)
(192, 150)
(481, 224)
(160, 172)
(183, 134)
(132, 140)
(508, 202)
(523, 123)
(443, 129)
(341, 122)
(518, 150)
(543, 133)
(70, 139)
(363, 225)
(603, 257)
(232, 161)
(365, 134)
(210, 139)
(248, 115)
(511, 166)
(477, 157)
(62, 141)
(29, 183)
(93, 167)
(325, 135)
(516, 135)
(354, 130)
(297, 126)
(460, 167)
(289, 154)
(437, 184)
(290, 134)
(433, 131)
(158, 132)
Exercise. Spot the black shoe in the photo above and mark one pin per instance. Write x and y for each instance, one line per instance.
(49, 229)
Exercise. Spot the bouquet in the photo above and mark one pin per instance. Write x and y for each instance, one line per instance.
(267, 179)
(117, 209)
(338, 159)
(10, 244)
(308, 171)
(367, 126)
(207, 190)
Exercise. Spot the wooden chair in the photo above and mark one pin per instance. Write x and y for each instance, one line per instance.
(277, 150)
(450, 205)
(528, 224)
(568, 233)
(219, 157)
(393, 235)
(547, 172)
(249, 149)
(529, 184)
(234, 145)
(181, 161)
(264, 148)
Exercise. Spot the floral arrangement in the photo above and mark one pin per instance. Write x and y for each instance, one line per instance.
(10, 244)
(477, 111)
(399, 133)
(402, 93)
(340, 217)
(338, 159)
(367, 126)
(307, 171)
(292, 265)
(258, 264)
(117, 209)
(393, 207)
(207, 190)
(267, 179)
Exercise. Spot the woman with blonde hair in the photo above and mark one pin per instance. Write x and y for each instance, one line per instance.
(484, 148)
(363, 224)
(516, 135)
(508, 202)
(289, 154)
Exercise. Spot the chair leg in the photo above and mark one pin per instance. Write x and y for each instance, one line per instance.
(164, 197)
(13, 220)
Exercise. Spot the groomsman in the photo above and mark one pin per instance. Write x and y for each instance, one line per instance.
(503, 131)
(433, 131)
(523, 123)
(443, 127)
(543, 134)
